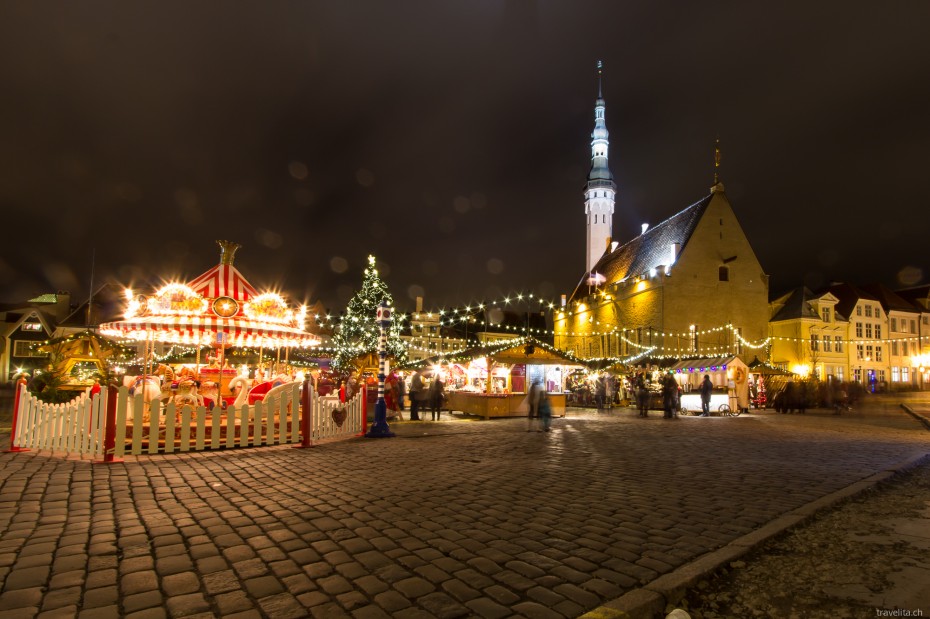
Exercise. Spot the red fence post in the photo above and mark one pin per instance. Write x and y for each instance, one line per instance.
(17, 399)
(364, 426)
(306, 425)
(109, 436)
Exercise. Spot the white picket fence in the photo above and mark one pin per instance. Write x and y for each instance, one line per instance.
(331, 419)
(75, 427)
(80, 426)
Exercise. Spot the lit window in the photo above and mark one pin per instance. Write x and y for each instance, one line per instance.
(895, 374)
(878, 353)
(859, 352)
(827, 344)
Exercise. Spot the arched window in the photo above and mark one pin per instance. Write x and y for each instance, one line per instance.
(723, 274)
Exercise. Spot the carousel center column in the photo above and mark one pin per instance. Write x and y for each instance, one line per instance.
(379, 428)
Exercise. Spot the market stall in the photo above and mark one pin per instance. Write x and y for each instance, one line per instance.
(492, 381)
(729, 375)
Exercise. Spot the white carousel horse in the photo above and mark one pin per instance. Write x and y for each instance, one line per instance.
(242, 383)
(150, 389)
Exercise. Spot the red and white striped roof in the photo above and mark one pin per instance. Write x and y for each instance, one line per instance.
(204, 329)
(223, 280)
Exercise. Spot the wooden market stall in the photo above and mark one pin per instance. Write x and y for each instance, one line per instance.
(493, 380)
(729, 376)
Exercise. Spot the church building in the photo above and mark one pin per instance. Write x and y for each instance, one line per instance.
(688, 286)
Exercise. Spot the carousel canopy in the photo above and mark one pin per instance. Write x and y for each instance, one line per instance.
(220, 307)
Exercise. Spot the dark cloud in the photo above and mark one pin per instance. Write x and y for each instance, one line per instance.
(451, 139)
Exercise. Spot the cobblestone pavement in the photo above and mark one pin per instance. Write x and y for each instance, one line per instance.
(449, 519)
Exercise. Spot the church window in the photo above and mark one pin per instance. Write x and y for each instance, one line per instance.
(723, 274)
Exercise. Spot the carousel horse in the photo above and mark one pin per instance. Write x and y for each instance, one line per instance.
(187, 394)
(242, 383)
(149, 387)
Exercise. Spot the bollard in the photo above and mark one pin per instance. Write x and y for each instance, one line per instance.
(109, 436)
(17, 399)
(306, 426)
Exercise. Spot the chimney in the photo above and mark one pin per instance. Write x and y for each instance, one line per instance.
(675, 248)
(563, 300)
(419, 305)
(645, 227)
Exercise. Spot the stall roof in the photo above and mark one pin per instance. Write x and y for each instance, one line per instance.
(760, 367)
(518, 350)
(706, 363)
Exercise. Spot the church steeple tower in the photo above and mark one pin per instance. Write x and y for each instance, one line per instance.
(600, 189)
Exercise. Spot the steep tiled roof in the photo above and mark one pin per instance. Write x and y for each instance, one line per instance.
(890, 300)
(651, 249)
(798, 305)
(916, 295)
(848, 295)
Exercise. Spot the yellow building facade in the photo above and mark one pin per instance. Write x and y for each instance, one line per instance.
(809, 337)
(689, 286)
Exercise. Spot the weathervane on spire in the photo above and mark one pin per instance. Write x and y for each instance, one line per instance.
(717, 161)
(600, 74)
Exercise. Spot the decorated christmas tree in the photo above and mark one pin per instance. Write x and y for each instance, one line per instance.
(358, 333)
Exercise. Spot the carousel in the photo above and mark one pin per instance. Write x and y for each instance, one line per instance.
(219, 309)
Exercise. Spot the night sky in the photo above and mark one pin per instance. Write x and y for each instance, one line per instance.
(451, 139)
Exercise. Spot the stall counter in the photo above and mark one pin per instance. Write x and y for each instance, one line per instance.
(498, 404)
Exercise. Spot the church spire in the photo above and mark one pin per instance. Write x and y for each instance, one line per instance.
(718, 184)
(600, 188)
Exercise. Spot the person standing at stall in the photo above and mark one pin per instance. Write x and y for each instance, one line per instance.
(532, 400)
(642, 394)
(706, 388)
(436, 396)
(545, 410)
(669, 395)
(416, 390)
